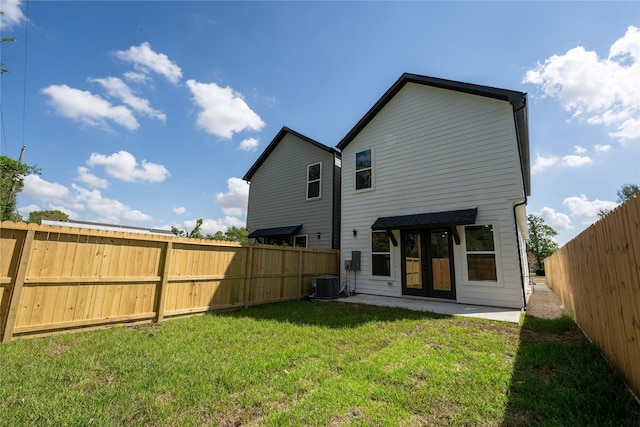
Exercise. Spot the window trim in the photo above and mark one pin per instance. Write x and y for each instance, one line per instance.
(306, 240)
(319, 181)
(377, 276)
(495, 253)
(356, 170)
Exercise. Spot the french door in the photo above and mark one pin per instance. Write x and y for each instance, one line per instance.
(427, 263)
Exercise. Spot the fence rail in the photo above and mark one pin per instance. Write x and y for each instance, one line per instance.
(58, 278)
(597, 277)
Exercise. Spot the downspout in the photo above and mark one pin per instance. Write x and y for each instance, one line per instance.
(524, 202)
(515, 220)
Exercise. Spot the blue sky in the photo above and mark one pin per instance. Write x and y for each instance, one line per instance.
(149, 113)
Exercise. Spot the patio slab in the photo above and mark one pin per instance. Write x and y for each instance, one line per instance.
(440, 307)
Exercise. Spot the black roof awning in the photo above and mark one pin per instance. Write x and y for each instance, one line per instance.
(287, 230)
(427, 220)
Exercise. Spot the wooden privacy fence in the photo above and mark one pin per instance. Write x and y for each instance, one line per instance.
(57, 278)
(597, 277)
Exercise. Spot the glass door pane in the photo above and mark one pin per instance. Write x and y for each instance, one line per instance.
(413, 262)
(440, 266)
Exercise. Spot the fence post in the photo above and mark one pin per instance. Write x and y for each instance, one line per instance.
(300, 270)
(247, 278)
(21, 271)
(164, 280)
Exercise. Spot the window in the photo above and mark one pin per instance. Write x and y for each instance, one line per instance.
(300, 241)
(380, 254)
(314, 172)
(481, 254)
(363, 169)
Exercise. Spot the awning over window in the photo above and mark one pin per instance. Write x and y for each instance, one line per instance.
(427, 220)
(287, 230)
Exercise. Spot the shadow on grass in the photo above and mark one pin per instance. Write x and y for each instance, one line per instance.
(330, 314)
(560, 378)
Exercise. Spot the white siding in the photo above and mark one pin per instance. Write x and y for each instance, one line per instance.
(437, 150)
(278, 191)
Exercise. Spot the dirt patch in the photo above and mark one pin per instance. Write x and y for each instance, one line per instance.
(544, 303)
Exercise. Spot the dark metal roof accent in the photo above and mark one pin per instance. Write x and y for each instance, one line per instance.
(272, 145)
(517, 99)
(424, 220)
(287, 230)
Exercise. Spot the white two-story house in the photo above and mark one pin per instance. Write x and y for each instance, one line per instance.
(435, 179)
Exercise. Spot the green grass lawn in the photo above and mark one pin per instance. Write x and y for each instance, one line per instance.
(315, 363)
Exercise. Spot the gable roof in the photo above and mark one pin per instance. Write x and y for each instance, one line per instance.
(518, 101)
(272, 145)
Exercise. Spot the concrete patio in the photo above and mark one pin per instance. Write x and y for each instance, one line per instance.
(440, 307)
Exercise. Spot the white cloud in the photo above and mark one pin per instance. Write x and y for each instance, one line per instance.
(138, 78)
(26, 210)
(574, 161)
(557, 220)
(118, 89)
(145, 60)
(603, 90)
(108, 210)
(585, 209)
(211, 226)
(579, 149)
(602, 148)
(543, 163)
(52, 195)
(123, 165)
(249, 144)
(179, 210)
(45, 191)
(90, 109)
(13, 15)
(234, 201)
(224, 112)
(90, 179)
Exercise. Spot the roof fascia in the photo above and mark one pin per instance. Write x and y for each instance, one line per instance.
(276, 140)
(517, 99)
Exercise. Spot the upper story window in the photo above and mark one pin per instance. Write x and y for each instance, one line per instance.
(314, 174)
(481, 253)
(364, 169)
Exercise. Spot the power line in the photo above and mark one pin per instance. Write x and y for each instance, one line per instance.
(24, 77)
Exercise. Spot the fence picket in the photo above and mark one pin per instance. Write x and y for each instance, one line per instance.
(61, 278)
(597, 277)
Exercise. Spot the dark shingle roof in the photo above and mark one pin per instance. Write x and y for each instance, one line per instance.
(272, 145)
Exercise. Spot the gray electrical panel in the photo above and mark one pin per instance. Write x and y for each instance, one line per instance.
(355, 260)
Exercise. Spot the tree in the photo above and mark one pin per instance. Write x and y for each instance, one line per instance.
(12, 173)
(37, 216)
(234, 234)
(627, 191)
(194, 234)
(624, 193)
(541, 243)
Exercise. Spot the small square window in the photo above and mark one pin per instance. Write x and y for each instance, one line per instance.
(300, 241)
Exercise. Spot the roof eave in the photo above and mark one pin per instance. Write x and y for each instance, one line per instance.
(517, 99)
(275, 141)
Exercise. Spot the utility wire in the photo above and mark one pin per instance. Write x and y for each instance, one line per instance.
(24, 77)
